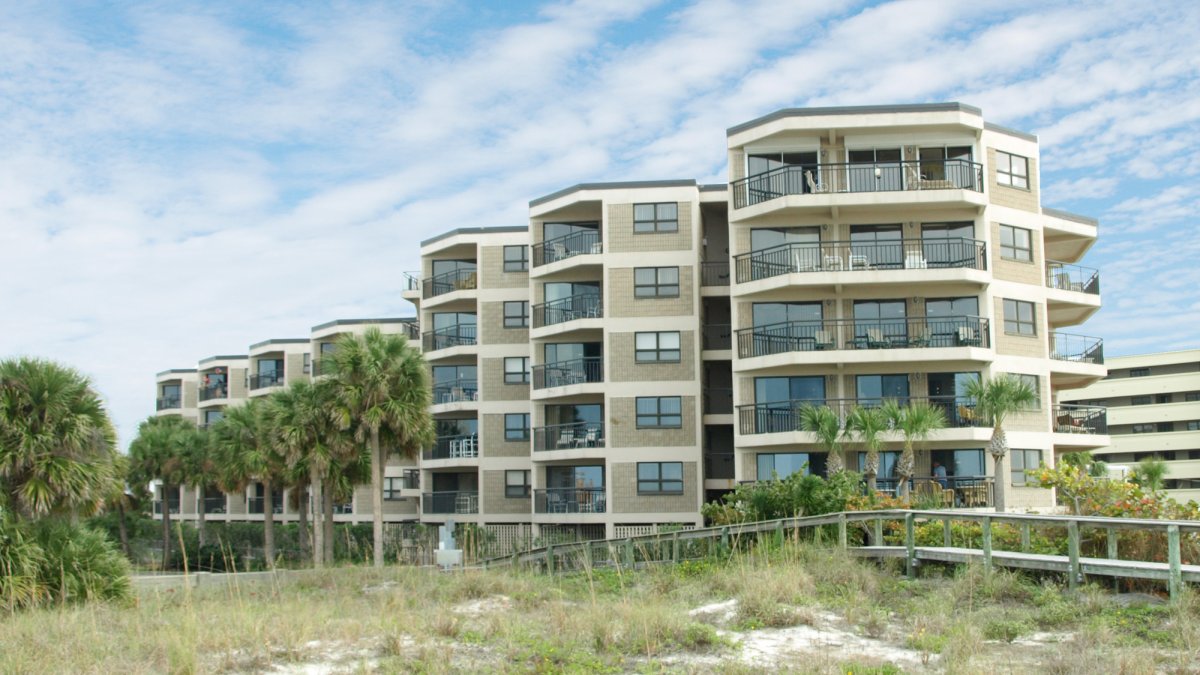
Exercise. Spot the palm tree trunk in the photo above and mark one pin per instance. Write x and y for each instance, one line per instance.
(377, 496)
(166, 525)
(1000, 479)
(327, 505)
(871, 469)
(122, 528)
(302, 521)
(318, 519)
(200, 518)
(834, 463)
(904, 469)
(268, 524)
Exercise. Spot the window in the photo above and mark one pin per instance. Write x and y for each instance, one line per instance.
(391, 488)
(1193, 425)
(1143, 428)
(1022, 461)
(1162, 398)
(656, 217)
(307, 363)
(780, 465)
(1032, 381)
(516, 370)
(516, 483)
(516, 314)
(1019, 318)
(660, 478)
(659, 412)
(1164, 427)
(1139, 400)
(1012, 170)
(1015, 243)
(516, 258)
(656, 347)
(1192, 396)
(656, 282)
(1139, 372)
(516, 426)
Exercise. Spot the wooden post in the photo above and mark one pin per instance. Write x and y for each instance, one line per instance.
(842, 540)
(1110, 538)
(1175, 580)
(947, 539)
(1025, 536)
(516, 560)
(910, 546)
(629, 553)
(1073, 554)
(675, 547)
(725, 537)
(878, 532)
(779, 533)
(987, 544)
(587, 556)
(550, 559)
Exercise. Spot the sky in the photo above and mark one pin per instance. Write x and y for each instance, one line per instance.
(179, 180)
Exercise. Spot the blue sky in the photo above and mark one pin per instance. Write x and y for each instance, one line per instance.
(179, 180)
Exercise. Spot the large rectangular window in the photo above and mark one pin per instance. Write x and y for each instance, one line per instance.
(660, 478)
(1012, 170)
(1022, 461)
(391, 488)
(656, 347)
(516, 483)
(516, 370)
(656, 282)
(516, 258)
(656, 217)
(1019, 318)
(516, 314)
(874, 389)
(659, 412)
(516, 426)
(778, 465)
(887, 463)
(1016, 243)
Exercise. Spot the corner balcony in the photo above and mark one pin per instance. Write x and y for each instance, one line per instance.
(778, 422)
(548, 254)
(1076, 360)
(461, 335)
(458, 391)
(456, 503)
(1080, 426)
(168, 403)
(565, 315)
(412, 286)
(827, 186)
(837, 263)
(448, 282)
(265, 380)
(806, 341)
(581, 436)
(587, 370)
(214, 392)
(570, 500)
(1074, 294)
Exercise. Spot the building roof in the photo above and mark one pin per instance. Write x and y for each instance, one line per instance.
(1011, 132)
(225, 357)
(1067, 215)
(358, 322)
(854, 110)
(625, 185)
(475, 230)
(176, 371)
(280, 341)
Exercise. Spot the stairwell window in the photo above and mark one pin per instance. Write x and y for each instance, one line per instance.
(516, 314)
(656, 347)
(656, 282)
(516, 370)
(1022, 461)
(516, 426)
(656, 217)
(516, 483)
(660, 478)
(1019, 318)
(1012, 170)
(659, 412)
(1016, 243)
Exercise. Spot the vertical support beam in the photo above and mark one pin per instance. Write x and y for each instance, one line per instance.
(947, 539)
(1175, 580)
(842, 538)
(878, 541)
(1073, 553)
(516, 560)
(987, 544)
(1025, 536)
(910, 546)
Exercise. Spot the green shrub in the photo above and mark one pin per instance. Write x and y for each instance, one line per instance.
(796, 495)
(21, 564)
(52, 560)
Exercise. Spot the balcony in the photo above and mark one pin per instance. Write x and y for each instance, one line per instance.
(784, 416)
(576, 371)
(462, 446)
(213, 391)
(716, 336)
(577, 243)
(264, 380)
(1068, 277)
(458, 502)
(412, 281)
(1080, 419)
(966, 492)
(167, 403)
(254, 505)
(582, 306)
(813, 179)
(458, 391)
(446, 282)
(459, 335)
(576, 435)
(718, 401)
(213, 504)
(569, 500)
(719, 465)
(846, 256)
(714, 273)
(1076, 348)
(911, 333)
(410, 330)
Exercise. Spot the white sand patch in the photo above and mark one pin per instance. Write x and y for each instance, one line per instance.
(717, 613)
(328, 658)
(1042, 639)
(496, 603)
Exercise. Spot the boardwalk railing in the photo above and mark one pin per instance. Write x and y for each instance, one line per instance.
(893, 534)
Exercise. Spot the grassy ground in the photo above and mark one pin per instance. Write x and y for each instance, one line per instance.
(414, 620)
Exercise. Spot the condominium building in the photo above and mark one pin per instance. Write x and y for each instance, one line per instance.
(639, 348)
(1154, 412)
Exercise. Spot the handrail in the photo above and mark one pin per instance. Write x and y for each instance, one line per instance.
(582, 242)
(578, 306)
(807, 179)
(264, 380)
(919, 332)
(167, 403)
(586, 370)
(573, 435)
(784, 416)
(1070, 277)
(714, 273)
(412, 281)
(1078, 348)
(463, 279)
(860, 256)
(458, 335)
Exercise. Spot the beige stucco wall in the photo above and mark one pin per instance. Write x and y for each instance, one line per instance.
(493, 386)
(623, 431)
(1033, 346)
(621, 238)
(491, 270)
(623, 367)
(1015, 198)
(491, 326)
(494, 500)
(625, 497)
(1016, 270)
(494, 445)
(621, 302)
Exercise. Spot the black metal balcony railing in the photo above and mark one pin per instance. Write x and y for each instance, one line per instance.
(214, 504)
(411, 330)
(411, 480)
(576, 371)
(264, 380)
(343, 509)
(569, 436)
(714, 273)
(459, 335)
(412, 281)
(254, 505)
(584, 242)
(569, 500)
(461, 446)
(718, 400)
(800, 179)
(964, 491)
(167, 403)
(783, 416)
(1078, 348)
(172, 507)
(582, 306)
(1080, 419)
(458, 391)
(718, 465)
(1068, 277)
(460, 501)
(454, 280)
(213, 391)
(716, 336)
(838, 256)
(912, 333)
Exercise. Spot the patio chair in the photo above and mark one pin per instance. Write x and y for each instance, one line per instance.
(913, 260)
(823, 340)
(876, 340)
(919, 337)
(966, 336)
(557, 252)
(566, 438)
(813, 186)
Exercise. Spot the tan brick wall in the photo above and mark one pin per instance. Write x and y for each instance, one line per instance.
(621, 238)
(494, 500)
(494, 444)
(1020, 345)
(491, 270)
(623, 367)
(492, 330)
(625, 497)
(494, 388)
(621, 302)
(1015, 198)
(237, 383)
(293, 367)
(236, 503)
(623, 431)
(737, 164)
(189, 394)
(187, 501)
(749, 465)
(1016, 270)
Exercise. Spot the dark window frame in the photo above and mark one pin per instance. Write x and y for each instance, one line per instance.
(1013, 250)
(391, 488)
(1015, 325)
(522, 319)
(516, 434)
(657, 485)
(656, 355)
(658, 289)
(513, 490)
(1011, 177)
(1024, 455)
(657, 224)
(658, 419)
(1140, 400)
(520, 264)
(1139, 372)
(1142, 428)
(513, 377)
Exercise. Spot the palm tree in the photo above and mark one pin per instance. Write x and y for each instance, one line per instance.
(158, 454)
(825, 423)
(245, 452)
(120, 500)
(199, 469)
(382, 388)
(866, 424)
(57, 444)
(996, 399)
(916, 421)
